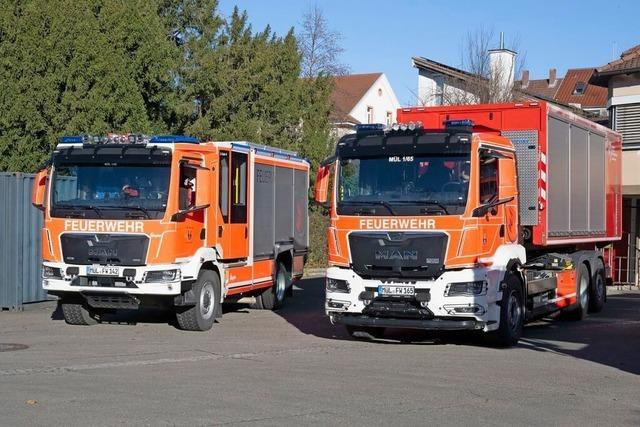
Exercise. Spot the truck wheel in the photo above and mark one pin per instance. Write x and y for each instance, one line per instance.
(511, 314)
(598, 289)
(201, 316)
(579, 310)
(365, 332)
(77, 314)
(273, 297)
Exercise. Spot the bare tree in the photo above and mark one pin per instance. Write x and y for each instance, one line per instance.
(481, 81)
(320, 46)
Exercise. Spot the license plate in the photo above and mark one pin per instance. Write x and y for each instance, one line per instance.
(103, 271)
(396, 290)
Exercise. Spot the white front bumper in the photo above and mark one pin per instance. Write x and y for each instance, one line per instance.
(140, 286)
(441, 305)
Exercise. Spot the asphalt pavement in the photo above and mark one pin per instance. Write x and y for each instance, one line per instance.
(293, 367)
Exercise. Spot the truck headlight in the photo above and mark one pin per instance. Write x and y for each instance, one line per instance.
(335, 285)
(479, 287)
(162, 276)
(51, 272)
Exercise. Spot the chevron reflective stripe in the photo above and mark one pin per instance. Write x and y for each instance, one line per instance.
(542, 178)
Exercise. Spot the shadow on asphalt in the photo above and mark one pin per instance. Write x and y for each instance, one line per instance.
(611, 337)
(147, 315)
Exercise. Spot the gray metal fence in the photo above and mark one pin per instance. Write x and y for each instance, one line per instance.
(20, 257)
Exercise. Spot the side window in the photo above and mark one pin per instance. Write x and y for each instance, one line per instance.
(488, 178)
(187, 189)
(223, 181)
(238, 188)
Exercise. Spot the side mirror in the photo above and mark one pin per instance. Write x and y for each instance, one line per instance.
(202, 190)
(322, 184)
(39, 189)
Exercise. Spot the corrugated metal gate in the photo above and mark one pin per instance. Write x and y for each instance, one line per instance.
(20, 257)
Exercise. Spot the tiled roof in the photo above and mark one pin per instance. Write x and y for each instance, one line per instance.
(629, 60)
(539, 88)
(593, 96)
(347, 92)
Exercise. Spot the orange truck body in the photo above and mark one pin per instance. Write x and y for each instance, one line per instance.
(232, 209)
(540, 196)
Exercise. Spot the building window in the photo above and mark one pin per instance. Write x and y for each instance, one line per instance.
(580, 88)
(389, 118)
(369, 114)
(380, 92)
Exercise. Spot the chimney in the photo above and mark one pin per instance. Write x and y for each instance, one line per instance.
(552, 77)
(525, 79)
(501, 65)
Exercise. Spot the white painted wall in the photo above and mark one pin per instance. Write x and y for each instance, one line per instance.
(502, 65)
(436, 89)
(381, 98)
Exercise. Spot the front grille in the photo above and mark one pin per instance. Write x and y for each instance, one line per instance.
(111, 249)
(398, 254)
(122, 301)
(399, 308)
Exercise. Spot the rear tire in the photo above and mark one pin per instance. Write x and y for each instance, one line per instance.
(365, 332)
(273, 297)
(598, 289)
(579, 310)
(511, 314)
(202, 315)
(77, 314)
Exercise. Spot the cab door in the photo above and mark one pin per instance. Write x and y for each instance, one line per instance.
(233, 229)
(190, 218)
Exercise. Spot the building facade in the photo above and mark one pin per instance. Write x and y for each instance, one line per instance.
(621, 79)
(362, 98)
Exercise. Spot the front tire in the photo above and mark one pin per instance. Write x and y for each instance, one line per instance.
(77, 314)
(511, 314)
(202, 315)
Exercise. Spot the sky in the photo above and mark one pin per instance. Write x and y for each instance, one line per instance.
(382, 36)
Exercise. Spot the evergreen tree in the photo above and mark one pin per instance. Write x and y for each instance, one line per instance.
(73, 67)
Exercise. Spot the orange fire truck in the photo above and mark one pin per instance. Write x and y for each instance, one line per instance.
(470, 218)
(131, 220)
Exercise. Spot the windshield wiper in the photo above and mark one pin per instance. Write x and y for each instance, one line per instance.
(82, 207)
(138, 208)
(425, 202)
(372, 202)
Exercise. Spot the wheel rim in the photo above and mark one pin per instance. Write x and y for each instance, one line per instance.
(207, 300)
(514, 312)
(280, 285)
(584, 294)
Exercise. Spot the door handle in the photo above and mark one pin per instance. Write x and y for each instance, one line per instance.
(219, 231)
(246, 233)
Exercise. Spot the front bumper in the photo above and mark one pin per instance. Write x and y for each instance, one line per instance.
(425, 324)
(132, 285)
(440, 312)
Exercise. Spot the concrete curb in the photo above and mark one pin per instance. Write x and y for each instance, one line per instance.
(314, 272)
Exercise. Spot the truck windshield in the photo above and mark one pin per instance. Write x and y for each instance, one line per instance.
(404, 185)
(114, 192)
